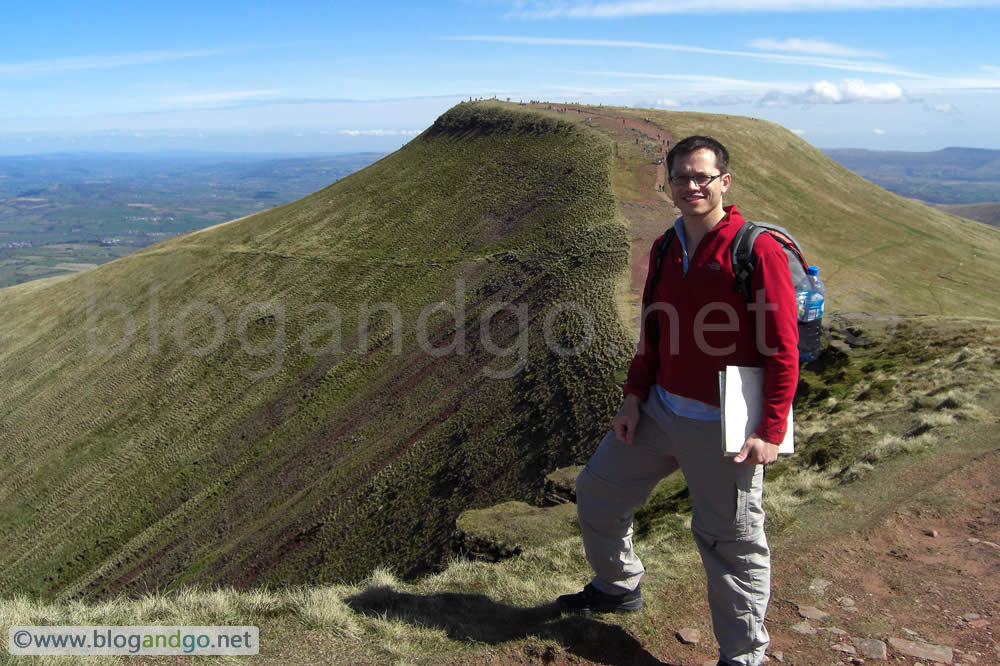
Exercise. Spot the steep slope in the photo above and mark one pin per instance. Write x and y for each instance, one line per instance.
(314, 390)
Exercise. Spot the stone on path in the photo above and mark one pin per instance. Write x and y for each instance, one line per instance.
(941, 653)
(979, 624)
(973, 540)
(812, 613)
(689, 636)
(844, 647)
(871, 648)
(845, 602)
(804, 628)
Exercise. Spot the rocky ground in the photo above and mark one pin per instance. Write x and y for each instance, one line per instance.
(917, 585)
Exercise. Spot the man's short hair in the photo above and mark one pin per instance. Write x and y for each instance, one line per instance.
(695, 143)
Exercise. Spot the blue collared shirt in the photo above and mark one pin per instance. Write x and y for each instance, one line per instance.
(661, 399)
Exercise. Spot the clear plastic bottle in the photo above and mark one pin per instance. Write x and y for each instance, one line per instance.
(810, 294)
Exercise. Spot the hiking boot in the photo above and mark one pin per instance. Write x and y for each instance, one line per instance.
(592, 600)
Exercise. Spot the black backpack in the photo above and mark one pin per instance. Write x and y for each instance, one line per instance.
(743, 259)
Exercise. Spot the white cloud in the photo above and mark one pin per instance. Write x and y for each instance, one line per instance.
(853, 90)
(667, 102)
(992, 69)
(379, 132)
(103, 62)
(878, 131)
(812, 47)
(610, 10)
(849, 91)
(799, 132)
(778, 58)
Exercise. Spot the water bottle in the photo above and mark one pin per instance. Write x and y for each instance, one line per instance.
(810, 294)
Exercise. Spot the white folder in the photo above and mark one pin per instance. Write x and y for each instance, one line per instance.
(741, 395)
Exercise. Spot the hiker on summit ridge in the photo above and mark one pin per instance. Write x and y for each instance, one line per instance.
(695, 325)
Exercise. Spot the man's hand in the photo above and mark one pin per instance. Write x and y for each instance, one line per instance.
(756, 451)
(627, 419)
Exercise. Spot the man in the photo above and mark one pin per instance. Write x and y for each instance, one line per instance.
(695, 326)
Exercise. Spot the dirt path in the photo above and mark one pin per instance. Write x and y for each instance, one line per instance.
(625, 126)
(924, 571)
(905, 570)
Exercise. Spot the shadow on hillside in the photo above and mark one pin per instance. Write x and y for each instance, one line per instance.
(477, 618)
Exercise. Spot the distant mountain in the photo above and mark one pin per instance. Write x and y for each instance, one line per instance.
(321, 388)
(948, 176)
(988, 213)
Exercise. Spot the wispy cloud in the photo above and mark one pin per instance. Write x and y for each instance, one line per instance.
(222, 97)
(725, 100)
(817, 47)
(707, 82)
(878, 131)
(378, 132)
(780, 58)
(104, 61)
(849, 91)
(613, 10)
(946, 109)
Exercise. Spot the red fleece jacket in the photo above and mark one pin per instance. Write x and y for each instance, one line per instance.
(704, 325)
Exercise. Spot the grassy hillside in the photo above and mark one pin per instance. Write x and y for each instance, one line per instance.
(235, 406)
(195, 413)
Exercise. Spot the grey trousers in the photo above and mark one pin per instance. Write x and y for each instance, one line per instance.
(727, 522)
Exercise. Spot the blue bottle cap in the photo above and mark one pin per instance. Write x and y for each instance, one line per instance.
(813, 270)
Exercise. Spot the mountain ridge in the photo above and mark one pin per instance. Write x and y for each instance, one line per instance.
(224, 502)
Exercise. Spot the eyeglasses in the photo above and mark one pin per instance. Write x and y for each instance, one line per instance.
(700, 179)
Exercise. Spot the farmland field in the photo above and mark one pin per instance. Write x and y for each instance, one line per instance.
(65, 213)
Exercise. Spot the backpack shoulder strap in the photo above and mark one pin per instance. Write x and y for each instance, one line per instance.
(743, 260)
(652, 327)
(661, 253)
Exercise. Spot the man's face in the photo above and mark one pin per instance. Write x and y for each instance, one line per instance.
(694, 200)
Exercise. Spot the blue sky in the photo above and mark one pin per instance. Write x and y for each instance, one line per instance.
(333, 76)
